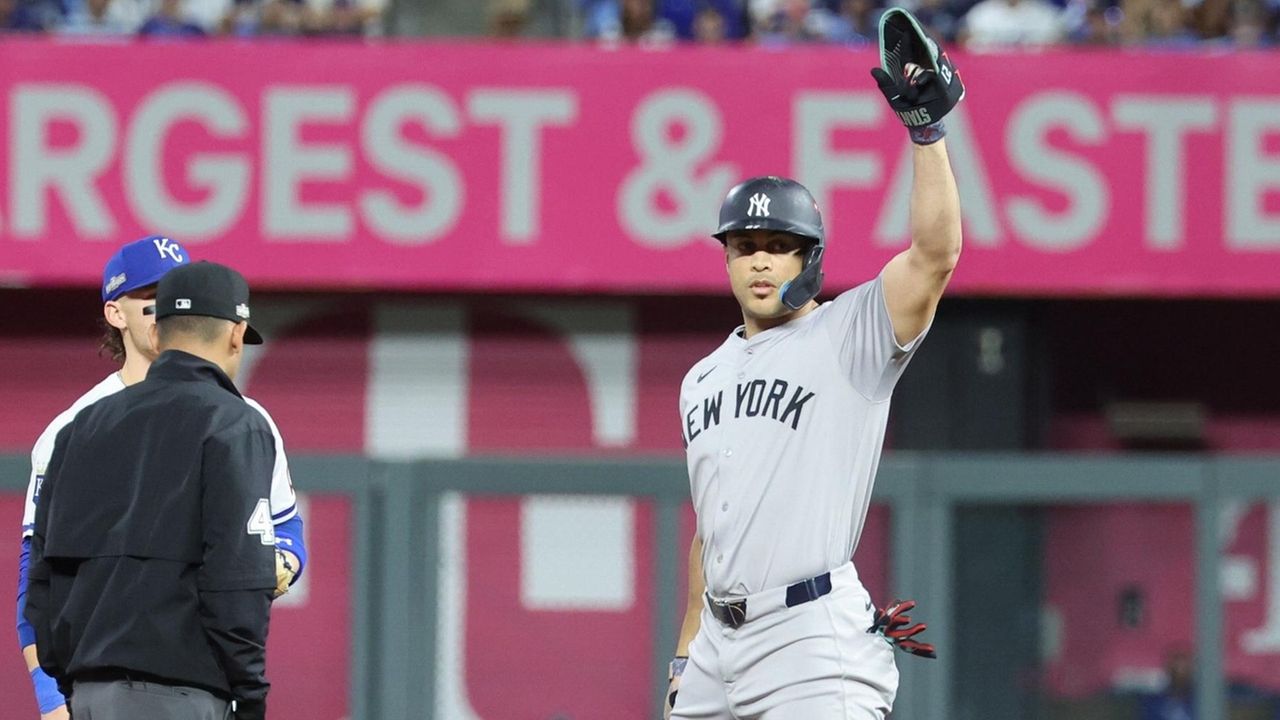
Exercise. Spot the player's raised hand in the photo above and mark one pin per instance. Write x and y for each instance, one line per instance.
(916, 76)
(894, 624)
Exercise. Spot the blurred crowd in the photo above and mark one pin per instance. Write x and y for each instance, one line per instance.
(189, 18)
(976, 25)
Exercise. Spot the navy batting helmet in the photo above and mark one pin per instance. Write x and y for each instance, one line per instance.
(776, 203)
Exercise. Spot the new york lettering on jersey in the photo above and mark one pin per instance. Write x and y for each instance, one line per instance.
(776, 399)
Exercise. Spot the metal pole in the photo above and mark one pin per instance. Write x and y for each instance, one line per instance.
(905, 574)
(922, 569)
(364, 625)
(667, 608)
(1210, 685)
(399, 670)
(936, 551)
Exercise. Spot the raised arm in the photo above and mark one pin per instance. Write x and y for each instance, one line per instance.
(921, 86)
(915, 278)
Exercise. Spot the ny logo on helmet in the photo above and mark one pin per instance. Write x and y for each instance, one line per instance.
(759, 206)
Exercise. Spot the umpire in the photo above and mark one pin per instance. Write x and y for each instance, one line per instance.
(151, 583)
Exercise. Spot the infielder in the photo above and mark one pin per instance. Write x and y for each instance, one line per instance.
(783, 426)
(128, 288)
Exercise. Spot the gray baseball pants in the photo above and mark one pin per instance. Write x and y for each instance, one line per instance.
(137, 700)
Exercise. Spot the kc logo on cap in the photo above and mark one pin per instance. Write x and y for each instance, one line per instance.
(139, 264)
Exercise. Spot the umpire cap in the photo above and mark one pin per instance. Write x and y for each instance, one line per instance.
(207, 289)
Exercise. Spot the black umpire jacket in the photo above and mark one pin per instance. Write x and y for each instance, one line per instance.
(153, 553)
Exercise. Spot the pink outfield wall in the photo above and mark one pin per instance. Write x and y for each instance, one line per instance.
(443, 167)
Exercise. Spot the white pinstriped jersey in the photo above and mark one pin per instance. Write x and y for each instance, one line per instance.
(284, 505)
(783, 434)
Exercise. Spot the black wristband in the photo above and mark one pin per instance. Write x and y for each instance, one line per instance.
(676, 668)
(927, 134)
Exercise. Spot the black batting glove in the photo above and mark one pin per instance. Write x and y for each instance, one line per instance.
(916, 76)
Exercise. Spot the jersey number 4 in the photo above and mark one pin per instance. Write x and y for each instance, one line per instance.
(260, 523)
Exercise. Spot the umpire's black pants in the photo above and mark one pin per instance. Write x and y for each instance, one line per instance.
(137, 700)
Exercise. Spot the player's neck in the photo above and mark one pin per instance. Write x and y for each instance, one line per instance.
(753, 326)
(134, 369)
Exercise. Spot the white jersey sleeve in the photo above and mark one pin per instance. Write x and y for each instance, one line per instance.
(284, 503)
(43, 449)
(859, 325)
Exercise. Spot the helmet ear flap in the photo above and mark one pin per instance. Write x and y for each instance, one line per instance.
(798, 291)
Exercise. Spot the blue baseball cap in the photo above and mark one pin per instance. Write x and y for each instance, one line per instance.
(139, 264)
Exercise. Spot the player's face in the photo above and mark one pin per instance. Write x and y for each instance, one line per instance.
(126, 314)
(759, 262)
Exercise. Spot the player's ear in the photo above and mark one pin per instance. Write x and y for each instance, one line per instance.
(234, 349)
(153, 337)
(237, 337)
(114, 315)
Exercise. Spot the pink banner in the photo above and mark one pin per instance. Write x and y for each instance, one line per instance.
(453, 167)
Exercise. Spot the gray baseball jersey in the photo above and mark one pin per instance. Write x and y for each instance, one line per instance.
(783, 434)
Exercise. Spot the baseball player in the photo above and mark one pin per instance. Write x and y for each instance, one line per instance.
(128, 289)
(783, 426)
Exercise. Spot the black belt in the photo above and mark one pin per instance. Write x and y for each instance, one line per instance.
(110, 675)
(734, 612)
